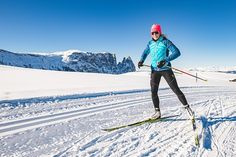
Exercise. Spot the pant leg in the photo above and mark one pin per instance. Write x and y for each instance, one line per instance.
(170, 79)
(155, 81)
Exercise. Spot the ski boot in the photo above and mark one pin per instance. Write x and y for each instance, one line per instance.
(157, 114)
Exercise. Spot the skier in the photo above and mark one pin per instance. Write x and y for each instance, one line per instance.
(159, 48)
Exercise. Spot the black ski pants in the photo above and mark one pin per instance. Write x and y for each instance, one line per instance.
(170, 79)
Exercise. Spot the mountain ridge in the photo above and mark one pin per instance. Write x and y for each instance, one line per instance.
(70, 60)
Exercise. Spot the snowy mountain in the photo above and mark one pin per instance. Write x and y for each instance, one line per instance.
(71, 60)
(225, 69)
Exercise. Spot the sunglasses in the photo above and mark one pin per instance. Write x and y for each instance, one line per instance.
(155, 33)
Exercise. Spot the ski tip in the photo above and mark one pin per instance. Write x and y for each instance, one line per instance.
(197, 141)
(108, 130)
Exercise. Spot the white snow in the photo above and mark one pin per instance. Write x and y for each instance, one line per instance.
(52, 113)
(216, 68)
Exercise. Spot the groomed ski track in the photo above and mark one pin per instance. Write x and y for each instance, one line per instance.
(72, 127)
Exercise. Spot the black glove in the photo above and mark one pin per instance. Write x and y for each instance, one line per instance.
(161, 63)
(140, 63)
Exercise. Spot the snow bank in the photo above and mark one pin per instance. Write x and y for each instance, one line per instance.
(19, 83)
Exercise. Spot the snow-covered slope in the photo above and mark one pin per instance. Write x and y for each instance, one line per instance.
(71, 60)
(69, 121)
(18, 83)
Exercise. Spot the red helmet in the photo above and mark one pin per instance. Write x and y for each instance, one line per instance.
(156, 28)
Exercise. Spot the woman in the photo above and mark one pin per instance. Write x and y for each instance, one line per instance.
(159, 48)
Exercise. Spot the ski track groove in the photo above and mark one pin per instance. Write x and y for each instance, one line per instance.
(10, 127)
(217, 110)
(177, 135)
(203, 103)
(71, 105)
(90, 102)
(68, 112)
(163, 140)
(187, 140)
(152, 137)
(206, 113)
(227, 130)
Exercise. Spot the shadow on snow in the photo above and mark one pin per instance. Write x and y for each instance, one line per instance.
(207, 124)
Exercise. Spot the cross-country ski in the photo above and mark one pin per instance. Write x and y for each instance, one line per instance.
(149, 120)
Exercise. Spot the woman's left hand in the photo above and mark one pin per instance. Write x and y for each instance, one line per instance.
(161, 63)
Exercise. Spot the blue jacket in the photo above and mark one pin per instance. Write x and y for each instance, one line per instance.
(159, 51)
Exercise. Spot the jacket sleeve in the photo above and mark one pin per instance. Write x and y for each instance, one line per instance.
(174, 50)
(145, 53)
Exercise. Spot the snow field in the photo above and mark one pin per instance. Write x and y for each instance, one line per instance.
(48, 113)
(82, 136)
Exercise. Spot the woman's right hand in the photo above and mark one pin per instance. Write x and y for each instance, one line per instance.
(140, 64)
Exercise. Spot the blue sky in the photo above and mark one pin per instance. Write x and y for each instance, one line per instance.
(203, 30)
